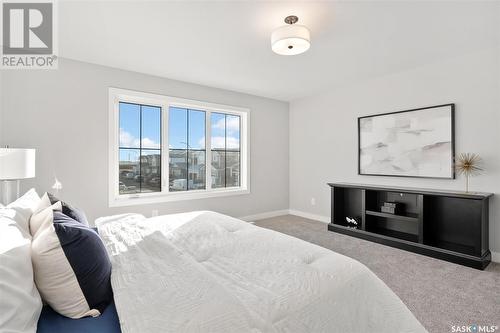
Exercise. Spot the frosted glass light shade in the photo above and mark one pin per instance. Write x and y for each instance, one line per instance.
(17, 163)
(291, 39)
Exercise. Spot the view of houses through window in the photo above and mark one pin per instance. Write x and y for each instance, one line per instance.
(225, 144)
(187, 154)
(140, 149)
(186, 141)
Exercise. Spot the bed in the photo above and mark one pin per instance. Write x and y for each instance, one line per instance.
(52, 322)
(207, 272)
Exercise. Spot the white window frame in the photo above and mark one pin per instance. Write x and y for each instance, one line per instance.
(117, 95)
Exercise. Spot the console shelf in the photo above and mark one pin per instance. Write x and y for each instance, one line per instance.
(410, 217)
(451, 226)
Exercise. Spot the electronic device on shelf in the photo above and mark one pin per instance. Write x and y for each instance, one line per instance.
(392, 207)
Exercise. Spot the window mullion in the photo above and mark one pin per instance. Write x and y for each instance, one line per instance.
(187, 149)
(225, 150)
(165, 152)
(140, 149)
(208, 151)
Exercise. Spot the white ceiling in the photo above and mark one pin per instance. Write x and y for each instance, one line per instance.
(226, 44)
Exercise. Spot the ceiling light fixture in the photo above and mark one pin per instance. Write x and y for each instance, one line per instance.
(291, 39)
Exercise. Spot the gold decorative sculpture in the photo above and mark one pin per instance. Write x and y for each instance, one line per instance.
(468, 164)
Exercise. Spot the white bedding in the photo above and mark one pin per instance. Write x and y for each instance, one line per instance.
(207, 272)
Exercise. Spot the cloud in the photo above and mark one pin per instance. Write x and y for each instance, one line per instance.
(232, 123)
(232, 142)
(130, 141)
(219, 142)
(148, 143)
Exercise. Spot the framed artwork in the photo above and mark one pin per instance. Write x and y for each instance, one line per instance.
(411, 143)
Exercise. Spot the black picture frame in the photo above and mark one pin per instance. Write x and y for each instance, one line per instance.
(452, 110)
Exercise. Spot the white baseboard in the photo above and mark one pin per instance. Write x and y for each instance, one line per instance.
(495, 257)
(266, 215)
(310, 216)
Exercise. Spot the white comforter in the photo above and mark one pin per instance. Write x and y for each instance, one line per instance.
(207, 272)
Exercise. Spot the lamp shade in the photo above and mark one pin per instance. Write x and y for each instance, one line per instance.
(291, 40)
(17, 163)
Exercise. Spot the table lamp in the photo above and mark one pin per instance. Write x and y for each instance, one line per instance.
(15, 164)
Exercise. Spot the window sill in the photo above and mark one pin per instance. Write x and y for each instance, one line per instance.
(153, 198)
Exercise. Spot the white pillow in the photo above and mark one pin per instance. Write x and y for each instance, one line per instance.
(42, 215)
(23, 208)
(20, 302)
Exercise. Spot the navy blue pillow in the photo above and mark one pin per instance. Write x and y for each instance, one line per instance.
(88, 258)
(67, 209)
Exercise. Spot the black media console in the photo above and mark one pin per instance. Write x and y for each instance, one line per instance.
(451, 226)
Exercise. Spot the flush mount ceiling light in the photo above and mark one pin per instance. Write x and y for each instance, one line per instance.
(291, 39)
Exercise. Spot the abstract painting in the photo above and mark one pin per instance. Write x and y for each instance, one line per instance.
(412, 143)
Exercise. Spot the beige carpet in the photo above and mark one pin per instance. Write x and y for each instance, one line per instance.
(440, 294)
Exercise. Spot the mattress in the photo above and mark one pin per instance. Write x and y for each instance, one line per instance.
(207, 272)
(52, 322)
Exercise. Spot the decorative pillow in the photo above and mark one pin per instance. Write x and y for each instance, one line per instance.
(23, 208)
(73, 212)
(42, 214)
(72, 267)
(20, 302)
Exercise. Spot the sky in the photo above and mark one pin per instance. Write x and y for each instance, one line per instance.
(179, 136)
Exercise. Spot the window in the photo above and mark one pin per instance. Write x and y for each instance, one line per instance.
(164, 148)
(225, 150)
(186, 137)
(139, 149)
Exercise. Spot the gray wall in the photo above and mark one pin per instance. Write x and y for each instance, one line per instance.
(1, 110)
(323, 129)
(64, 115)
